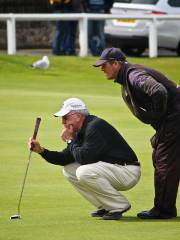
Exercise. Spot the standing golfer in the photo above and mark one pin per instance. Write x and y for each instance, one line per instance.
(97, 160)
(154, 100)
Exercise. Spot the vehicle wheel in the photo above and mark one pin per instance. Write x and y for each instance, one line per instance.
(136, 51)
(178, 49)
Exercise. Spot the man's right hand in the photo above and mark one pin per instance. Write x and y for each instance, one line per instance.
(35, 146)
(67, 133)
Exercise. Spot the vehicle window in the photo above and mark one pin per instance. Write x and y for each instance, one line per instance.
(140, 1)
(174, 3)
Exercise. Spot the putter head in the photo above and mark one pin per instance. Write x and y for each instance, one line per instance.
(15, 217)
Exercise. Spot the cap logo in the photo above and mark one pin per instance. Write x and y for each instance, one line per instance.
(76, 106)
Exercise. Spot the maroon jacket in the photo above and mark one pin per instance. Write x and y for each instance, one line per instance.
(149, 94)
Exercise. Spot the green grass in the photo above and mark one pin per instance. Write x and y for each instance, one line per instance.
(51, 209)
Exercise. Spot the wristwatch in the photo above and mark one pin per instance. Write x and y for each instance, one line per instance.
(69, 141)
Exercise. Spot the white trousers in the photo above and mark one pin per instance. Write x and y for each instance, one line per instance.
(101, 182)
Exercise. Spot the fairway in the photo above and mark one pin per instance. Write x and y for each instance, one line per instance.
(51, 209)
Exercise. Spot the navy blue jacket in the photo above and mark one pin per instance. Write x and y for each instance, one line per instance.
(96, 141)
(95, 6)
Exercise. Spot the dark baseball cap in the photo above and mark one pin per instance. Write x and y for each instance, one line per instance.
(110, 54)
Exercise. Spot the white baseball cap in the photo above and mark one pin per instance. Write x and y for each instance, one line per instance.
(71, 104)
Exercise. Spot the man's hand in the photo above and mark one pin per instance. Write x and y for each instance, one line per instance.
(35, 146)
(67, 133)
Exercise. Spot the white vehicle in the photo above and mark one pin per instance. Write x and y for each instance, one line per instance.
(132, 35)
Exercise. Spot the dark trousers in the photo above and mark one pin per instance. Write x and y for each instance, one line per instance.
(64, 38)
(96, 40)
(166, 160)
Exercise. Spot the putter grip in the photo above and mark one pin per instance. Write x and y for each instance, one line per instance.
(36, 128)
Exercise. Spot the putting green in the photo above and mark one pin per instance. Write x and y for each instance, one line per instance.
(51, 209)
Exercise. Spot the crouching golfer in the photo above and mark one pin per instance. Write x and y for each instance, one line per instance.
(97, 161)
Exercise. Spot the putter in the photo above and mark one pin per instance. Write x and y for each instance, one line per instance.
(18, 215)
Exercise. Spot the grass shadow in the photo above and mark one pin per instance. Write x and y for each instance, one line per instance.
(136, 219)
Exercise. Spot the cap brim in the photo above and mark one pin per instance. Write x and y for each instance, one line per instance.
(99, 63)
(61, 113)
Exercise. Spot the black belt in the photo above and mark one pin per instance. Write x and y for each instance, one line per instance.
(132, 163)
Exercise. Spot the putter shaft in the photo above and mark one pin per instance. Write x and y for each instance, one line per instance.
(18, 216)
(24, 181)
(36, 128)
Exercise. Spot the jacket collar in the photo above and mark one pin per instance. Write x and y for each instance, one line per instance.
(87, 119)
(121, 77)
